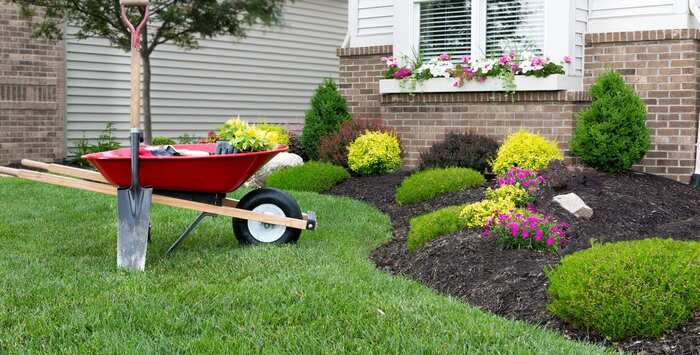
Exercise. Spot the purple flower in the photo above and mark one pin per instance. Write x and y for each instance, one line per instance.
(526, 234)
(403, 72)
(550, 241)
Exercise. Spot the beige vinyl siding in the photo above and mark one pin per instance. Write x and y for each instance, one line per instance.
(268, 76)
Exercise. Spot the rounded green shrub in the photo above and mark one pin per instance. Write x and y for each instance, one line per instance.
(611, 135)
(525, 150)
(427, 227)
(635, 288)
(312, 176)
(374, 153)
(430, 183)
(466, 150)
(328, 111)
(162, 140)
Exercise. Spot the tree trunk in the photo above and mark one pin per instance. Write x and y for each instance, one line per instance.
(146, 59)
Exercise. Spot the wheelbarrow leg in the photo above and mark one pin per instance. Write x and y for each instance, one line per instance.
(189, 230)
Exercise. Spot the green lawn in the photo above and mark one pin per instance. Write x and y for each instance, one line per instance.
(61, 291)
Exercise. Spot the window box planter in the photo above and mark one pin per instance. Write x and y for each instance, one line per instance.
(555, 82)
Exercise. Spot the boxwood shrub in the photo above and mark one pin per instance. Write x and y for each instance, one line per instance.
(430, 183)
(466, 150)
(313, 176)
(632, 288)
(427, 227)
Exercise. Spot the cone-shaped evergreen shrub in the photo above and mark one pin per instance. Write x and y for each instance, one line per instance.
(611, 135)
(328, 111)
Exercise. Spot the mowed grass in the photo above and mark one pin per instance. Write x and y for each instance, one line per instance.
(61, 290)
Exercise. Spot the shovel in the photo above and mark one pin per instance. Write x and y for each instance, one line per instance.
(134, 203)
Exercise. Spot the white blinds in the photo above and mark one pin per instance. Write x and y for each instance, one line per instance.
(514, 24)
(445, 26)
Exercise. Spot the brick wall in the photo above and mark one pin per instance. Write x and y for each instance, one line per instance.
(360, 71)
(423, 119)
(662, 66)
(31, 92)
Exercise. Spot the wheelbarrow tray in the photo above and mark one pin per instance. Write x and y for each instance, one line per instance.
(208, 174)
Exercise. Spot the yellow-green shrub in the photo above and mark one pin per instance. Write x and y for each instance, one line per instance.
(276, 133)
(374, 153)
(244, 137)
(525, 150)
(513, 193)
(476, 215)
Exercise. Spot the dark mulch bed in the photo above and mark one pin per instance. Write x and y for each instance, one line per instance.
(512, 283)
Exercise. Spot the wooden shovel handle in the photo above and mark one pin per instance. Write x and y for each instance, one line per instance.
(130, 3)
(135, 89)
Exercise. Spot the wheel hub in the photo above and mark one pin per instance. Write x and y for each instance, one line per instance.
(266, 232)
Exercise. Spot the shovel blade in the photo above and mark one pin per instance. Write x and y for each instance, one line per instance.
(134, 212)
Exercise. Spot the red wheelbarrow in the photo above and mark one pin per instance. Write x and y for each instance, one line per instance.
(263, 216)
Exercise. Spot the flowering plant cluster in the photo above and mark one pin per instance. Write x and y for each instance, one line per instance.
(467, 68)
(528, 180)
(529, 229)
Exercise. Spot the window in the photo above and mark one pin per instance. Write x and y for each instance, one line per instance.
(447, 26)
(514, 24)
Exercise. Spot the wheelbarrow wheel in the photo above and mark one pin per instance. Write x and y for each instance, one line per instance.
(267, 201)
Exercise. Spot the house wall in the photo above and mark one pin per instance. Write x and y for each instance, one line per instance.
(639, 15)
(661, 65)
(270, 75)
(370, 22)
(31, 92)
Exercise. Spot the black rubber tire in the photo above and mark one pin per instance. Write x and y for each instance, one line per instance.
(281, 199)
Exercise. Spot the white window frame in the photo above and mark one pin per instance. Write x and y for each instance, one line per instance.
(559, 36)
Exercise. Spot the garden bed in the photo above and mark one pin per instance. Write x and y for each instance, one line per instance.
(512, 283)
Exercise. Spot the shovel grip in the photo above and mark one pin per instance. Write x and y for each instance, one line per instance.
(135, 89)
(132, 3)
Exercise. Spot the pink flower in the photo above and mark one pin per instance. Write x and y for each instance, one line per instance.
(514, 67)
(537, 62)
(482, 79)
(504, 60)
(402, 73)
(526, 234)
(550, 241)
(538, 235)
(390, 61)
(568, 59)
(444, 56)
(466, 59)
(513, 229)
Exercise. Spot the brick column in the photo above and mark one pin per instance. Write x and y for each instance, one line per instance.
(662, 66)
(360, 71)
(32, 95)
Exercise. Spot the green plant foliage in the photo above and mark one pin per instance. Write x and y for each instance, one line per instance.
(328, 111)
(476, 215)
(244, 137)
(464, 150)
(519, 196)
(611, 135)
(625, 289)
(105, 142)
(334, 147)
(427, 184)
(374, 153)
(429, 226)
(313, 176)
(188, 139)
(162, 140)
(525, 150)
(277, 133)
